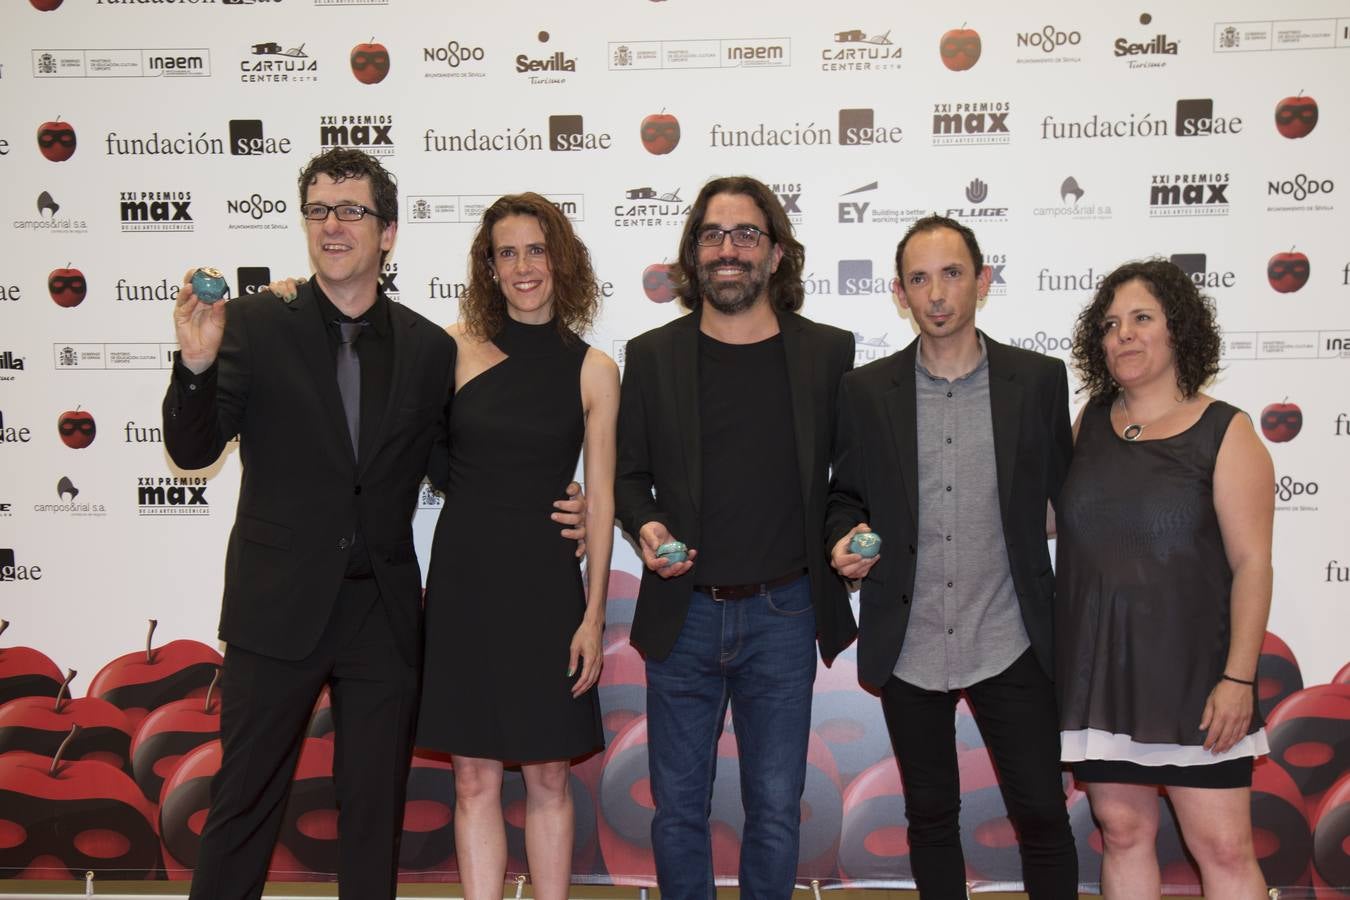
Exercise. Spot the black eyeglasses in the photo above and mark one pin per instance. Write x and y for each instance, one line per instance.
(745, 236)
(346, 212)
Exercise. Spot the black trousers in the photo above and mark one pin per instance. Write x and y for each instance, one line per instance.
(266, 707)
(1016, 713)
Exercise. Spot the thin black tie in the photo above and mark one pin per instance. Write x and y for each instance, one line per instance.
(349, 379)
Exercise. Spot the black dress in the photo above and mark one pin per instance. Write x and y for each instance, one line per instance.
(1142, 604)
(505, 594)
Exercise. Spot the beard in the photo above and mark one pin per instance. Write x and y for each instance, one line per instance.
(731, 298)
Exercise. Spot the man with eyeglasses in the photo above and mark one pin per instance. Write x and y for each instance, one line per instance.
(338, 396)
(725, 426)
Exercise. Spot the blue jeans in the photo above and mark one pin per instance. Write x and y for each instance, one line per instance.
(758, 654)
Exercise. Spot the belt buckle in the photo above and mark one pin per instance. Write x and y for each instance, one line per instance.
(712, 592)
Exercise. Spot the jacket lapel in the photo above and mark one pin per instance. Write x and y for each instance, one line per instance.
(684, 381)
(801, 366)
(1005, 405)
(904, 420)
(312, 339)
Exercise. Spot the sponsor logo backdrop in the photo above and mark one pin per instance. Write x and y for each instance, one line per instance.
(140, 138)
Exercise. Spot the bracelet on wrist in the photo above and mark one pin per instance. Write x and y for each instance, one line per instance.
(1226, 677)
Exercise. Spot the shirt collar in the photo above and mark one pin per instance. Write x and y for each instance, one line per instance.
(983, 361)
(377, 316)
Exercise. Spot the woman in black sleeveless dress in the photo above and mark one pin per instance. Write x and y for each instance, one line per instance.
(1163, 586)
(513, 636)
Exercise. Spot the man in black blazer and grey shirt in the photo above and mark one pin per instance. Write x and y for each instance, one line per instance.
(725, 429)
(954, 450)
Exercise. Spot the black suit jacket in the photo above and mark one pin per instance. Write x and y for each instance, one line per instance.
(302, 492)
(660, 451)
(876, 478)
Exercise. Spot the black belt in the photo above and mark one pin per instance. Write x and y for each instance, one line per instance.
(720, 592)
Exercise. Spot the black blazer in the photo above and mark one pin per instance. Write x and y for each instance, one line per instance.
(660, 451)
(302, 492)
(876, 477)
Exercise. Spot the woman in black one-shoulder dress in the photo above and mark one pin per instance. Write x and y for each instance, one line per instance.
(513, 634)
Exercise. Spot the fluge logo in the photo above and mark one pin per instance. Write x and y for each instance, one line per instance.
(56, 140)
(370, 62)
(1296, 117)
(960, 48)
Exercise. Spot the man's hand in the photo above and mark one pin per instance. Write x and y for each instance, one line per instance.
(287, 288)
(650, 538)
(199, 327)
(586, 647)
(572, 513)
(846, 562)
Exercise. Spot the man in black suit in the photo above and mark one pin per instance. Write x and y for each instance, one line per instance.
(339, 398)
(953, 450)
(725, 425)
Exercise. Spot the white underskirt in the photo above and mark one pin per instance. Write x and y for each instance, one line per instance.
(1092, 743)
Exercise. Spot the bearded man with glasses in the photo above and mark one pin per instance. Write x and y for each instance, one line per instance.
(726, 419)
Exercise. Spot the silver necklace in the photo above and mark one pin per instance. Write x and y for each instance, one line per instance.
(1132, 430)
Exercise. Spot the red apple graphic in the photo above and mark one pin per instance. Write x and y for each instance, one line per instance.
(1296, 117)
(76, 428)
(184, 801)
(56, 140)
(370, 62)
(1281, 422)
(429, 815)
(74, 816)
(168, 734)
(1287, 272)
(308, 840)
(960, 48)
(67, 286)
(40, 725)
(45, 5)
(660, 133)
(656, 283)
(143, 681)
(25, 672)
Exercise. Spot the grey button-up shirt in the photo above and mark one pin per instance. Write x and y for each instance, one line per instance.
(964, 623)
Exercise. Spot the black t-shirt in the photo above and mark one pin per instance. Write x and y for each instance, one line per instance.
(752, 497)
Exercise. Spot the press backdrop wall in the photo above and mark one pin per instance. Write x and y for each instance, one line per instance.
(1070, 137)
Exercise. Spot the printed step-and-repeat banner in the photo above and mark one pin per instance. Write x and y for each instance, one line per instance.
(141, 137)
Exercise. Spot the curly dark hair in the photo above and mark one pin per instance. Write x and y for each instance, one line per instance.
(933, 223)
(785, 285)
(1191, 327)
(342, 163)
(576, 291)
